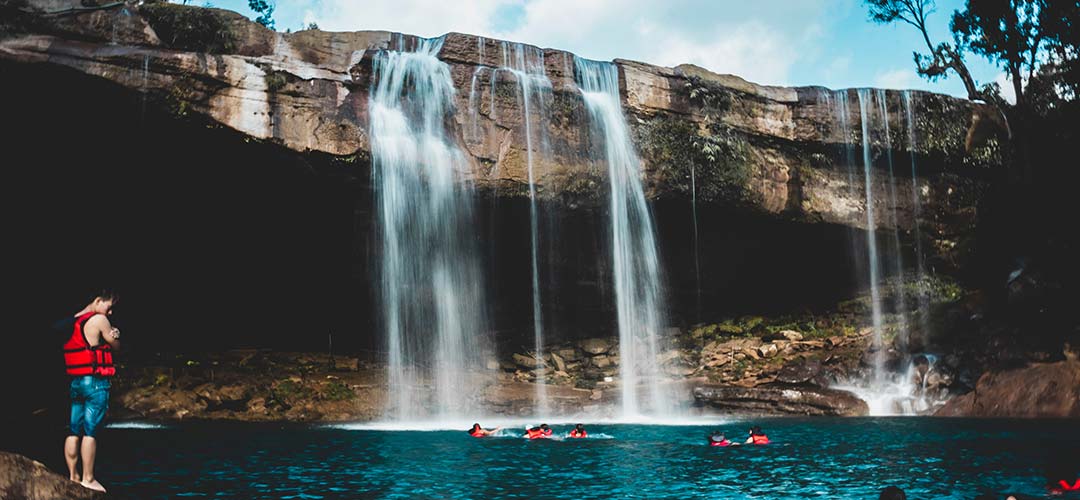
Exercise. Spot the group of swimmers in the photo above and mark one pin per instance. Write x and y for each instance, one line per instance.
(755, 436)
(541, 432)
(716, 438)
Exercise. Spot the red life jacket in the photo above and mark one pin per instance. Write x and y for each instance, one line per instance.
(1065, 486)
(720, 443)
(537, 433)
(476, 433)
(575, 434)
(83, 359)
(760, 439)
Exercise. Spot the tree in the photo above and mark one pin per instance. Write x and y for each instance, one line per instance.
(942, 57)
(265, 9)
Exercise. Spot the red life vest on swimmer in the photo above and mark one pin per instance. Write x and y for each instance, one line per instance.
(537, 433)
(82, 358)
(720, 443)
(575, 434)
(1065, 486)
(760, 439)
(476, 433)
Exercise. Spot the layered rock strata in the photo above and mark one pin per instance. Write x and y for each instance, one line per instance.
(773, 150)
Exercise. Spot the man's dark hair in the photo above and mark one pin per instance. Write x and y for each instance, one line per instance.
(104, 294)
(892, 493)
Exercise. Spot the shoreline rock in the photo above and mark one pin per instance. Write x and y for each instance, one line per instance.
(789, 399)
(27, 479)
(1050, 390)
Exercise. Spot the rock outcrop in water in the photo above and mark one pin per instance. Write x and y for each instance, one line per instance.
(781, 398)
(772, 150)
(25, 479)
(1047, 390)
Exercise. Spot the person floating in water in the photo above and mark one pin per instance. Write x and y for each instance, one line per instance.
(539, 432)
(478, 431)
(717, 438)
(578, 432)
(757, 437)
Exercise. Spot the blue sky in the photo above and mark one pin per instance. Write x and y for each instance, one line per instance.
(779, 42)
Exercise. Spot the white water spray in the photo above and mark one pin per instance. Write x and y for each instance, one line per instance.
(430, 281)
(638, 297)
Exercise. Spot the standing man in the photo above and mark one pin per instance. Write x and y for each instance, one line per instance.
(89, 360)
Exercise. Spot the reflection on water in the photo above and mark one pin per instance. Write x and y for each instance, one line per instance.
(819, 458)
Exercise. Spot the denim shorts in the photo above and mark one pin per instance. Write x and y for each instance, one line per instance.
(89, 402)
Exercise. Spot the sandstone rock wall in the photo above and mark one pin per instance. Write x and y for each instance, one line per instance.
(774, 150)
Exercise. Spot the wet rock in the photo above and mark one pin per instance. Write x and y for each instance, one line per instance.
(808, 372)
(751, 353)
(834, 342)
(1049, 390)
(595, 346)
(528, 362)
(568, 354)
(780, 399)
(313, 106)
(767, 350)
(601, 361)
(25, 479)
(558, 360)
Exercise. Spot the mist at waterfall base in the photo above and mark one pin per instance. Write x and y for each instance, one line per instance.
(849, 458)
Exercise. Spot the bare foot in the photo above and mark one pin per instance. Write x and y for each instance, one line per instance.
(77, 479)
(94, 485)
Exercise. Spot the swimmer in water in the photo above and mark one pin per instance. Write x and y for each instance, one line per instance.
(578, 431)
(538, 432)
(717, 438)
(757, 437)
(478, 431)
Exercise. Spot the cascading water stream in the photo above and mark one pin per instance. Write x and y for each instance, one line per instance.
(872, 249)
(430, 280)
(697, 257)
(636, 268)
(526, 64)
(916, 204)
(900, 302)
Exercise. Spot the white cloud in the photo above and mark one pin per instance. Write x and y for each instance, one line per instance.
(897, 79)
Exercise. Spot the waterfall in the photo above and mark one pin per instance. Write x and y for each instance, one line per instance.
(697, 257)
(429, 277)
(526, 64)
(916, 204)
(636, 268)
(872, 248)
(900, 302)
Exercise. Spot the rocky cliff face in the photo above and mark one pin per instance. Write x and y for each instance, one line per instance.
(773, 150)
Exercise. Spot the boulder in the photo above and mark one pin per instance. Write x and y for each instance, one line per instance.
(767, 350)
(601, 361)
(595, 346)
(25, 479)
(568, 354)
(560, 365)
(1050, 390)
(791, 335)
(528, 362)
(807, 372)
(780, 399)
